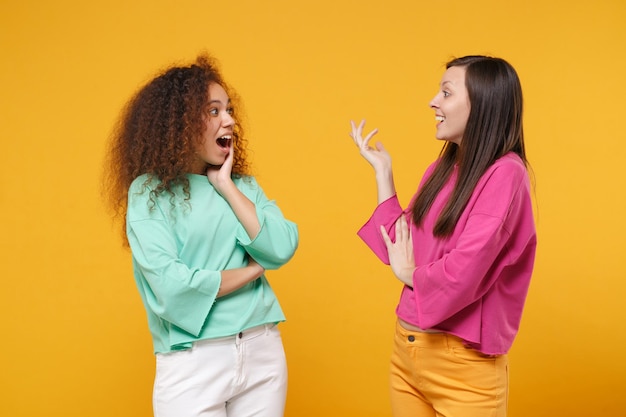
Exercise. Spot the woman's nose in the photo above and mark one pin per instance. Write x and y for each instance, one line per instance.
(228, 120)
(433, 103)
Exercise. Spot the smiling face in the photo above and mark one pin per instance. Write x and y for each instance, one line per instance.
(218, 131)
(451, 105)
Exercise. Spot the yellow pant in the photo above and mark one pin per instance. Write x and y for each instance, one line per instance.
(435, 375)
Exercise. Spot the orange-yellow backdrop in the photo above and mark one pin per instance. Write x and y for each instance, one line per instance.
(74, 341)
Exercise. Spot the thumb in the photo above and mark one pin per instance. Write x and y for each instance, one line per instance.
(385, 236)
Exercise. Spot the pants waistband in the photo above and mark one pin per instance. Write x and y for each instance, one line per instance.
(242, 336)
(429, 339)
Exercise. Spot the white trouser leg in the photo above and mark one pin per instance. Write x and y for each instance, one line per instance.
(243, 375)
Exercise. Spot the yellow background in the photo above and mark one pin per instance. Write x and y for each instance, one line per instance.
(74, 341)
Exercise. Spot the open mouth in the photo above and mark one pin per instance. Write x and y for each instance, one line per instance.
(224, 141)
(440, 118)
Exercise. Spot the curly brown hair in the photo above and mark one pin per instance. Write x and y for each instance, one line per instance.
(158, 128)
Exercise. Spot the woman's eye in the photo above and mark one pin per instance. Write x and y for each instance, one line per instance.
(230, 111)
(213, 111)
(445, 94)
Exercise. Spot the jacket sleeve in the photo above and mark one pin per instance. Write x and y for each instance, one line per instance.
(277, 240)
(386, 214)
(175, 292)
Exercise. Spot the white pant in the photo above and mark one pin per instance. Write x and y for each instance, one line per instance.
(242, 375)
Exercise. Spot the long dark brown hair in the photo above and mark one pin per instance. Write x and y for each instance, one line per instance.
(157, 131)
(494, 128)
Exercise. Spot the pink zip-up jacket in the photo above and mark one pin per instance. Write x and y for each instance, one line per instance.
(472, 284)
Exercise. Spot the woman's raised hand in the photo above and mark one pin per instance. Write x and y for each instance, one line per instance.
(220, 176)
(377, 156)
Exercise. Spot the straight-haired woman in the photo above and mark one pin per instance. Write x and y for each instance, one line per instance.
(464, 248)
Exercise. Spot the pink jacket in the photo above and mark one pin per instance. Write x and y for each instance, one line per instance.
(472, 284)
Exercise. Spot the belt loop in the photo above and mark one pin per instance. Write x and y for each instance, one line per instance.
(448, 347)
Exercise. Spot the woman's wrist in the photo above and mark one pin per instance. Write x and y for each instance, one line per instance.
(385, 185)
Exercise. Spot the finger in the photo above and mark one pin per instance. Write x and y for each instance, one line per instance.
(386, 238)
(353, 126)
(368, 137)
(406, 223)
(405, 229)
(354, 134)
(400, 230)
(227, 166)
(359, 133)
(230, 156)
(361, 125)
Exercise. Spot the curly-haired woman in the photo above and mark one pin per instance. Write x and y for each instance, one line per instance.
(202, 233)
